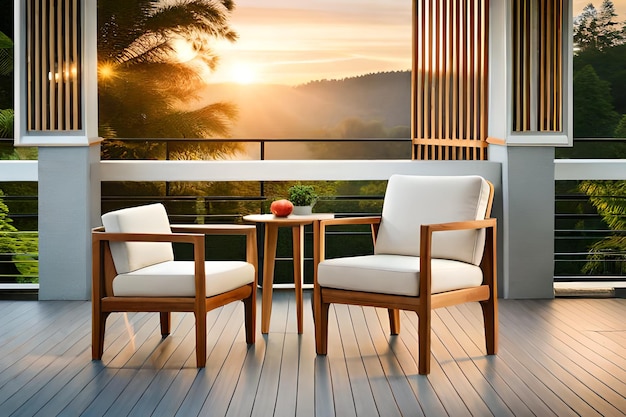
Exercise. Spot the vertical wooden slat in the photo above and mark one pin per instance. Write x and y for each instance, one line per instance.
(66, 66)
(52, 69)
(53, 56)
(450, 98)
(543, 55)
(558, 78)
(446, 71)
(456, 70)
(516, 67)
(43, 76)
(429, 79)
(59, 85)
(538, 65)
(33, 13)
(484, 36)
(76, 60)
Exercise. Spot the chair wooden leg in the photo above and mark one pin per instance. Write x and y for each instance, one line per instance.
(424, 342)
(394, 321)
(200, 340)
(321, 325)
(98, 325)
(166, 318)
(490, 315)
(250, 315)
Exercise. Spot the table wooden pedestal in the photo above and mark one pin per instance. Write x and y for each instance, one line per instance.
(297, 223)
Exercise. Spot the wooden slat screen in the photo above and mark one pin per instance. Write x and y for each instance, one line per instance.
(53, 56)
(537, 65)
(450, 79)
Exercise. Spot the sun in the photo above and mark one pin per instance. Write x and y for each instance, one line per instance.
(243, 73)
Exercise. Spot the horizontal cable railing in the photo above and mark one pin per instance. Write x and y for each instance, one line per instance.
(566, 257)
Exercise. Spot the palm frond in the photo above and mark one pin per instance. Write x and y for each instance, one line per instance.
(609, 198)
(210, 121)
(6, 123)
(193, 16)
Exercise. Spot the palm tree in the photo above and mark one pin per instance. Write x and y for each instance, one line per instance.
(608, 256)
(145, 86)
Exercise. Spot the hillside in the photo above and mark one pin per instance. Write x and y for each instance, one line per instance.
(368, 106)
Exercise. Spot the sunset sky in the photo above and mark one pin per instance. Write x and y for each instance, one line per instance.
(296, 41)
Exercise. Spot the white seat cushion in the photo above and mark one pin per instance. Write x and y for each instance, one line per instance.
(395, 274)
(176, 279)
(129, 256)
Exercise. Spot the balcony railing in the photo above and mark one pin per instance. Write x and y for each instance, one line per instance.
(566, 236)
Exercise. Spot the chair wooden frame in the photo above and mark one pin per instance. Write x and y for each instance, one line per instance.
(423, 304)
(103, 272)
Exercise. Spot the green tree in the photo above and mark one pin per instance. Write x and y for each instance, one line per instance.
(610, 65)
(610, 33)
(620, 130)
(6, 123)
(6, 54)
(594, 115)
(146, 85)
(597, 30)
(608, 256)
(18, 254)
(6, 70)
(586, 28)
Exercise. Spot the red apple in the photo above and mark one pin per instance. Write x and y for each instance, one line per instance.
(281, 208)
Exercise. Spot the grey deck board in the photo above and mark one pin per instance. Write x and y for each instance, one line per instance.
(557, 357)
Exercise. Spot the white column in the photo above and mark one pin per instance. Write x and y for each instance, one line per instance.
(69, 205)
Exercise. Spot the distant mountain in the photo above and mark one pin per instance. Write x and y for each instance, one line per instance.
(367, 106)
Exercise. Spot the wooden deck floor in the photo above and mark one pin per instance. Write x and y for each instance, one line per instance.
(563, 357)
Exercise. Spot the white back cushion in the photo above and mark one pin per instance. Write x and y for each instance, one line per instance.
(130, 256)
(411, 201)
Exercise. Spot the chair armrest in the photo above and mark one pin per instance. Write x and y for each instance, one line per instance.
(464, 225)
(225, 229)
(488, 264)
(350, 220)
(374, 221)
(214, 229)
(99, 234)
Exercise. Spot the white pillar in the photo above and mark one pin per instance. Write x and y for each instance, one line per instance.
(527, 227)
(69, 205)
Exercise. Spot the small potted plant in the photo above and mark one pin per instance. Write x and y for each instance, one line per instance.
(303, 198)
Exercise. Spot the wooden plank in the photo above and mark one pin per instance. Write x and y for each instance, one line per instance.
(343, 398)
(468, 364)
(225, 330)
(400, 386)
(307, 392)
(510, 375)
(420, 384)
(218, 400)
(361, 390)
(534, 366)
(265, 402)
(43, 386)
(442, 385)
(242, 402)
(287, 387)
(381, 391)
(495, 372)
(557, 357)
(19, 377)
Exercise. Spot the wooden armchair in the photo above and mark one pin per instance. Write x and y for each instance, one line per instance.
(434, 246)
(134, 270)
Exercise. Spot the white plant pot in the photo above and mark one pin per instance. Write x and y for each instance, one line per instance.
(302, 210)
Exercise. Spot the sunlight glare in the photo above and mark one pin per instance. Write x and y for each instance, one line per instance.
(184, 50)
(243, 73)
